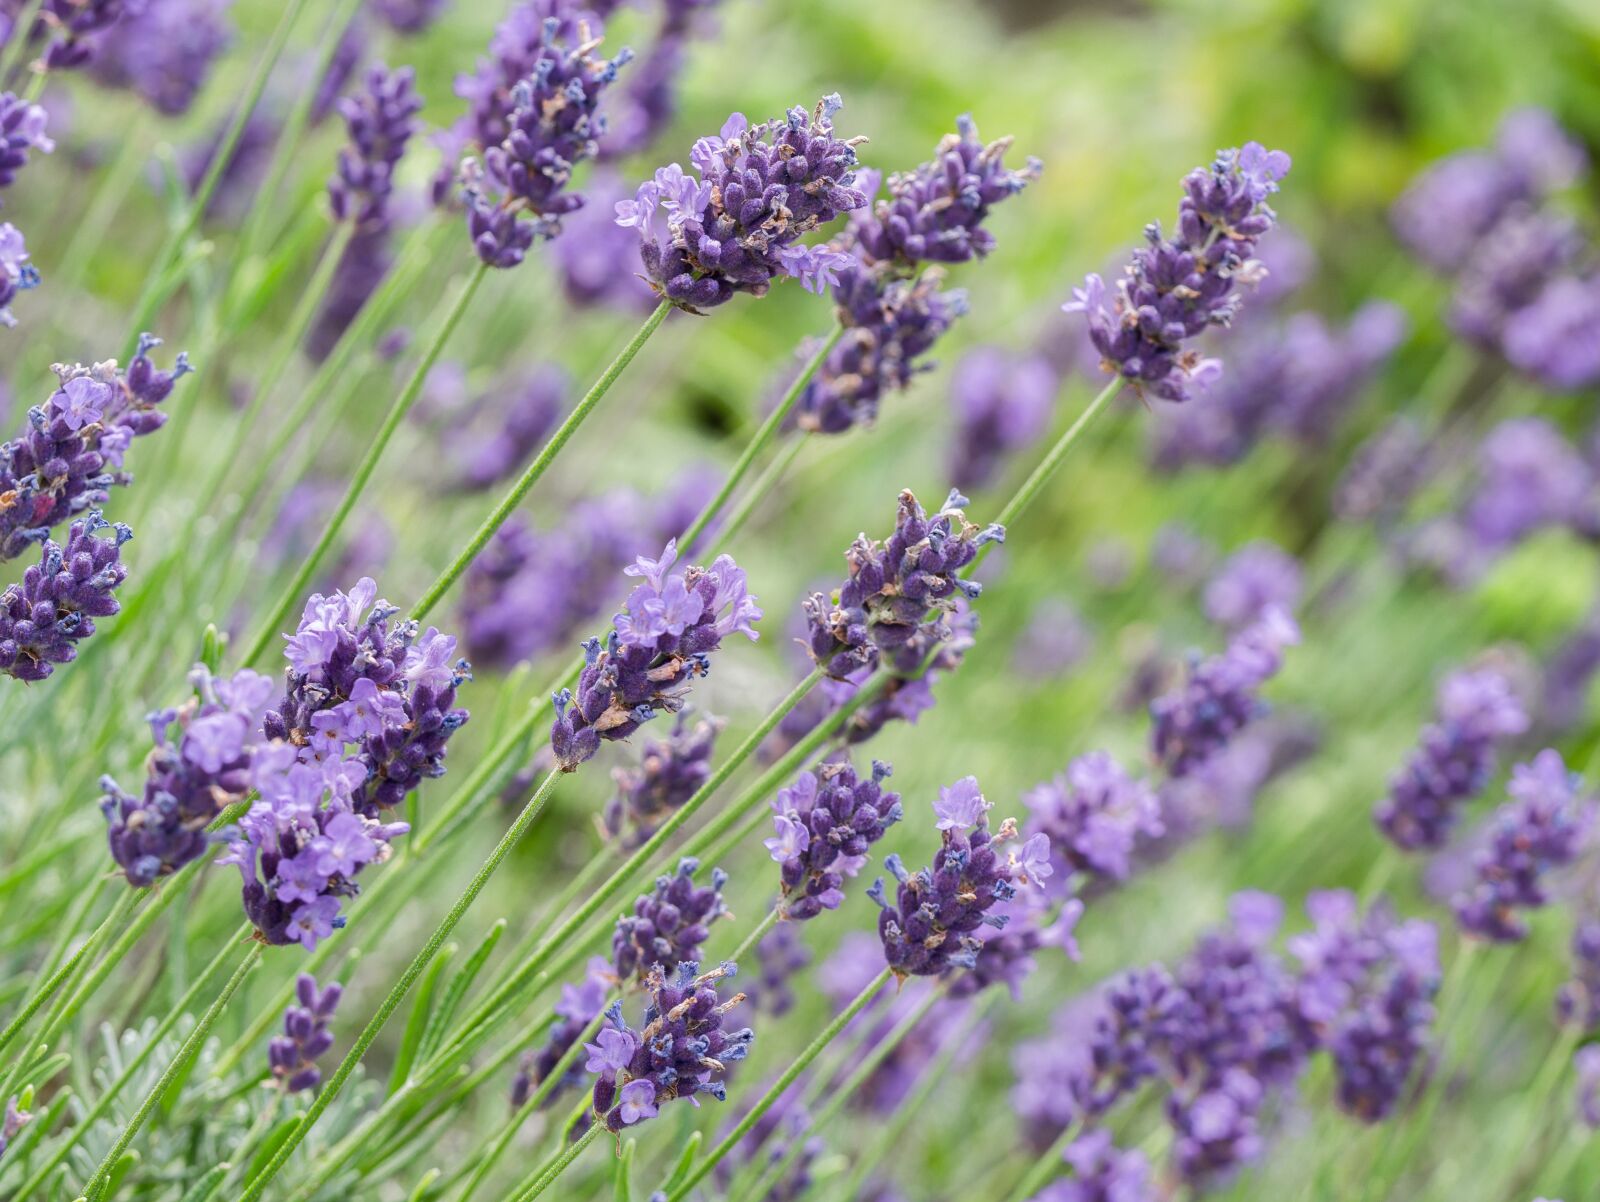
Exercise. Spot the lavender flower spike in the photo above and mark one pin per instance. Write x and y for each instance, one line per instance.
(381, 119)
(578, 1007)
(663, 638)
(669, 924)
(16, 273)
(305, 1037)
(825, 823)
(668, 775)
(1174, 289)
(45, 616)
(1093, 814)
(738, 225)
(21, 130)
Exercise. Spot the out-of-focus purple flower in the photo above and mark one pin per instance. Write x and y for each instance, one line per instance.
(664, 637)
(1586, 1064)
(1057, 639)
(1553, 339)
(524, 420)
(52, 609)
(1568, 674)
(409, 16)
(780, 956)
(22, 129)
(1257, 577)
(668, 924)
(1529, 476)
(1220, 696)
(1508, 269)
(771, 1142)
(1223, 790)
(1093, 814)
(292, 1055)
(681, 1051)
(1385, 472)
(75, 32)
(340, 70)
(895, 606)
(380, 119)
(1002, 405)
(591, 247)
(580, 1004)
(16, 273)
(759, 190)
(1101, 1172)
(167, 54)
(1005, 954)
(1578, 1000)
(669, 773)
(1474, 710)
(200, 765)
(242, 174)
(1216, 1128)
(826, 822)
(1182, 556)
(1175, 289)
(1542, 827)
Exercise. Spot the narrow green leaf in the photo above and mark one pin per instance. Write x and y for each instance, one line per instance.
(621, 1184)
(680, 1171)
(119, 1173)
(210, 1182)
(417, 1024)
(439, 1023)
(425, 1185)
(272, 1142)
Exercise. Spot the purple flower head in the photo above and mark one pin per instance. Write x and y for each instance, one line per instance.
(669, 773)
(1552, 338)
(1529, 476)
(1220, 698)
(22, 129)
(292, 1056)
(1257, 577)
(381, 119)
(1578, 1000)
(1093, 814)
(378, 690)
(1002, 405)
(1216, 1127)
(71, 453)
(1102, 1172)
(1586, 1067)
(668, 924)
(578, 1007)
(1385, 472)
(897, 602)
(200, 765)
(826, 822)
(521, 423)
(1455, 756)
(682, 1049)
(670, 625)
(1004, 955)
(16, 273)
(1174, 289)
(52, 609)
(167, 54)
(1508, 269)
(737, 224)
(76, 31)
(1541, 828)
(409, 16)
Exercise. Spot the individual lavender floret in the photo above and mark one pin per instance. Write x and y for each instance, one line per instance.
(768, 1143)
(1586, 1067)
(301, 846)
(535, 118)
(1257, 577)
(1002, 405)
(760, 189)
(1379, 1044)
(380, 119)
(1093, 814)
(929, 929)
(1529, 476)
(1101, 1172)
(16, 273)
(580, 1004)
(668, 924)
(670, 772)
(1196, 721)
(1552, 338)
(895, 604)
(1174, 289)
(72, 452)
(409, 16)
(52, 609)
(538, 399)
(889, 326)
(591, 245)
(1542, 827)
(935, 214)
(1578, 1000)
(305, 1037)
(1455, 756)
(664, 637)
(22, 127)
(825, 822)
(166, 56)
(681, 1051)
(199, 766)
(780, 956)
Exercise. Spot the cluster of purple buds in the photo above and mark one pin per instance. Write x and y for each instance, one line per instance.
(16, 273)
(409, 16)
(589, 249)
(15, 1119)
(523, 421)
(1541, 828)
(1455, 756)
(167, 54)
(71, 27)
(900, 592)
(668, 924)
(72, 452)
(825, 822)
(1101, 1172)
(52, 609)
(1137, 1018)
(365, 685)
(681, 1051)
(669, 773)
(1529, 477)
(1578, 1000)
(1256, 578)
(1175, 289)
(1385, 473)
(1220, 697)
(380, 119)
(305, 1037)
(544, 122)
(930, 927)
(1549, 338)
(737, 226)
(579, 1006)
(780, 956)
(664, 637)
(1094, 814)
(21, 130)
(1002, 404)
(1005, 954)
(199, 766)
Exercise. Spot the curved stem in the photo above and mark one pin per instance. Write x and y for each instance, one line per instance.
(755, 936)
(369, 463)
(530, 476)
(545, 1177)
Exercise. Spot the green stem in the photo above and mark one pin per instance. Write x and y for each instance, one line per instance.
(755, 936)
(68, 968)
(541, 463)
(145, 306)
(786, 1078)
(358, 482)
(369, 1033)
(108, 197)
(180, 1060)
(543, 1178)
(1042, 1169)
(1040, 476)
(762, 488)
